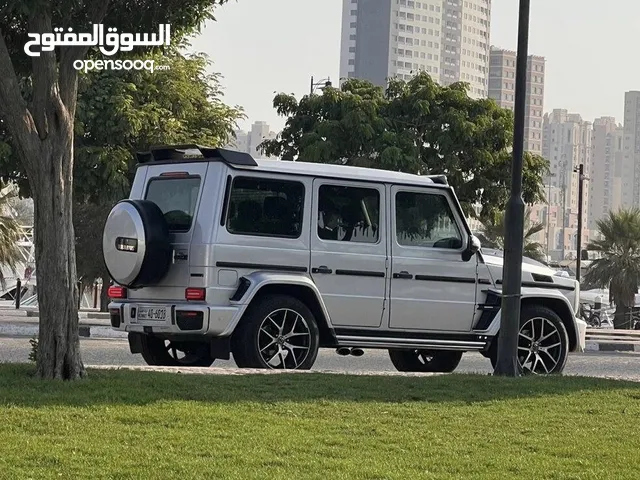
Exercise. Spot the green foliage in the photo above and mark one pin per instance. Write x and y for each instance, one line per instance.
(618, 267)
(119, 113)
(10, 232)
(493, 235)
(417, 127)
(137, 16)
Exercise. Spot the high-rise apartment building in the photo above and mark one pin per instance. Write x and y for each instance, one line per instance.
(449, 39)
(249, 141)
(566, 143)
(631, 145)
(502, 88)
(605, 179)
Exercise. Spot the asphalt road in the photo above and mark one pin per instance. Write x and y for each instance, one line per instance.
(116, 352)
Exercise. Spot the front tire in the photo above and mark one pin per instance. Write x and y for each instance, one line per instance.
(543, 342)
(167, 353)
(436, 361)
(277, 332)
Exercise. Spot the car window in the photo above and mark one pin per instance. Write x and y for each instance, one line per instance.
(176, 197)
(348, 214)
(426, 220)
(266, 207)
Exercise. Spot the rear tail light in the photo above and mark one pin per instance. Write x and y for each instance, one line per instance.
(195, 294)
(117, 292)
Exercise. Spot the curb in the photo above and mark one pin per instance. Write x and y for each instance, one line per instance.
(87, 315)
(85, 331)
(250, 371)
(592, 346)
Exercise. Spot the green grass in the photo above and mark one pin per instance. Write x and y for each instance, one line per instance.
(123, 424)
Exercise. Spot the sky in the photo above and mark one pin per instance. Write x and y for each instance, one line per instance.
(262, 47)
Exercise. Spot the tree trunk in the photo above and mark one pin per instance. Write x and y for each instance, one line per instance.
(104, 297)
(622, 318)
(51, 184)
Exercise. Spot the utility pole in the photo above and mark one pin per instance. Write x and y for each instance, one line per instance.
(564, 205)
(581, 179)
(549, 213)
(507, 363)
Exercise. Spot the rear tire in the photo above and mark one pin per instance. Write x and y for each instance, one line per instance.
(276, 332)
(435, 361)
(165, 353)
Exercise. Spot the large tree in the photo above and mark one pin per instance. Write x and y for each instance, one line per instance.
(618, 264)
(38, 101)
(416, 126)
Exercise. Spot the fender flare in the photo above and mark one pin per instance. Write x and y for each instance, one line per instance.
(532, 294)
(258, 280)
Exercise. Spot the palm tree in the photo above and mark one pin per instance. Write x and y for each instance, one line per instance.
(493, 235)
(618, 267)
(10, 231)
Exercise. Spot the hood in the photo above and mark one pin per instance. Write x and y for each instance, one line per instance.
(534, 274)
(532, 271)
(495, 258)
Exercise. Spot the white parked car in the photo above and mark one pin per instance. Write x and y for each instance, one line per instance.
(215, 253)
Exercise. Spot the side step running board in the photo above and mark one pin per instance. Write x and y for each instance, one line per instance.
(436, 344)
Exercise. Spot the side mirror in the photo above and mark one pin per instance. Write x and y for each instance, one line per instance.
(473, 247)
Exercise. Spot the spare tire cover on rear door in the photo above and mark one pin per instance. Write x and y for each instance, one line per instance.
(136, 244)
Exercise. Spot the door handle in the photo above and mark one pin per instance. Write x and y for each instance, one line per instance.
(321, 269)
(403, 274)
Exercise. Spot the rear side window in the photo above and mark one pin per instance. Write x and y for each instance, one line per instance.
(348, 214)
(266, 207)
(177, 199)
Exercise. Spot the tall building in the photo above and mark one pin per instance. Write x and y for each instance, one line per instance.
(249, 141)
(502, 88)
(605, 179)
(449, 39)
(566, 143)
(631, 144)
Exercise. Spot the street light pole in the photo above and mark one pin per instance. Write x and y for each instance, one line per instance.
(324, 83)
(507, 363)
(549, 213)
(580, 171)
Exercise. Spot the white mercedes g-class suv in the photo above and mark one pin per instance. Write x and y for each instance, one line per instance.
(217, 254)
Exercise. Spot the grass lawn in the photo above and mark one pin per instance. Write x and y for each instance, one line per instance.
(123, 424)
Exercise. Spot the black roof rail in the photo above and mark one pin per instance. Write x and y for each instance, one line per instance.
(179, 153)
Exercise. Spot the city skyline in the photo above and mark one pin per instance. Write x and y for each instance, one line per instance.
(449, 40)
(571, 78)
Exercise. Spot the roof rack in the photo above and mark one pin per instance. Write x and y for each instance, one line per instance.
(180, 153)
